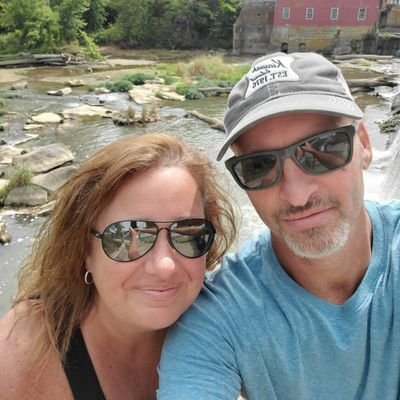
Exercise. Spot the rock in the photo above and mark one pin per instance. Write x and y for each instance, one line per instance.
(75, 83)
(7, 153)
(3, 183)
(32, 127)
(47, 118)
(170, 96)
(101, 90)
(151, 90)
(52, 180)
(26, 196)
(45, 158)
(4, 236)
(2, 141)
(144, 94)
(395, 104)
(60, 92)
(6, 171)
(19, 85)
(86, 110)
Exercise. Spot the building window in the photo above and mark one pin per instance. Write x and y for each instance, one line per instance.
(334, 13)
(309, 13)
(394, 1)
(286, 13)
(362, 12)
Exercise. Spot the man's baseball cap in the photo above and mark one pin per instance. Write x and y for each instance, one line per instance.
(282, 83)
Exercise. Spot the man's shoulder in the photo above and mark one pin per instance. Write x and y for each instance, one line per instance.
(386, 212)
(242, 271)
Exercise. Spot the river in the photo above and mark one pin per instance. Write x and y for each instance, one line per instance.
(84, 137)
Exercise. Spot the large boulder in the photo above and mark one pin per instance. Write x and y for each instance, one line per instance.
(46, 118)
(86, 110)
(19, 85)
(60, 92)
(26, 196)
(52, 180)
(45, 158)
(8, 152)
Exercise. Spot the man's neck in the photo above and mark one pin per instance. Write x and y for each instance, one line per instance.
(334, 278)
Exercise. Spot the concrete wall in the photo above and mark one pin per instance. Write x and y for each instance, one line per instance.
(335, 39)
(253, 27)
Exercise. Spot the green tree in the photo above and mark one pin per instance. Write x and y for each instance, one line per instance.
(71, 19)
(95, 16)
(222, 27)
(191, 21)
(29, 25)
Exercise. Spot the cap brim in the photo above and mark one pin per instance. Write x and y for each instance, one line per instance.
(304, 103)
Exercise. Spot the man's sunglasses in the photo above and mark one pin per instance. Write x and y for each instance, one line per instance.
(126, 241)
(318, 154)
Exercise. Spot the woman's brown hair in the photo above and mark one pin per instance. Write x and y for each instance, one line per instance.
(51, 282)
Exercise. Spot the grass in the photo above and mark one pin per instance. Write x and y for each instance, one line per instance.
(201, 72)
(21, 177)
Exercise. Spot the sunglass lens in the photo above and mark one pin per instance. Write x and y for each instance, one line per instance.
(129, 240)
(192, 237)
(325, 152)
(257, 171)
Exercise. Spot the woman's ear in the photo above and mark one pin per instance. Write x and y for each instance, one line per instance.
(366, 147)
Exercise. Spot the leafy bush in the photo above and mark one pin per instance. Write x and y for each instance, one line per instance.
(21, 177)
(168, 79)
(91, 50)
(190, 92)
(119, 86)
(11, 94)
(139, 78)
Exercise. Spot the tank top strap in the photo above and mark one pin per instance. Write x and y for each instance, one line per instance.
(80, 372)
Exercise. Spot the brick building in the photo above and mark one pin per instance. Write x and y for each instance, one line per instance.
(323, 24)
(319, 25)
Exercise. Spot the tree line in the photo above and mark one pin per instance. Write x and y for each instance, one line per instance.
(51, 25)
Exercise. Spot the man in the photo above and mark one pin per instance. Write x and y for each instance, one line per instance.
(310, 309)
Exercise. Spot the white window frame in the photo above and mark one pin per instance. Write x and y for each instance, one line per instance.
(334, 14)
(285, 12)
(309, 13)
(362, 14)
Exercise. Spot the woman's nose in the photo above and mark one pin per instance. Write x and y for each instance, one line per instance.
(161, 260)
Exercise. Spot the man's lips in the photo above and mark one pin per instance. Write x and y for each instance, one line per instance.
(308, 219)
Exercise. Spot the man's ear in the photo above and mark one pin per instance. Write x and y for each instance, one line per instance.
(365, 144)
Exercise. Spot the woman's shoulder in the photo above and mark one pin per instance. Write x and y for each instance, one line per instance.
(21, 379)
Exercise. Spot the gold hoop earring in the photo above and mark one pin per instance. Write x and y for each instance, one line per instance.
(88, 278)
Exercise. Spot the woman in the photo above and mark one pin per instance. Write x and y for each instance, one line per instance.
(122, 256)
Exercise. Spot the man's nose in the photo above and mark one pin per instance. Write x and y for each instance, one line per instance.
(296, 185)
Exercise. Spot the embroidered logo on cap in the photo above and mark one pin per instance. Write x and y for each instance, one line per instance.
(272, 70)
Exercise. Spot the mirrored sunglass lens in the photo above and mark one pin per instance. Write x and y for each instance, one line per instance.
(192, 238)
(257, 170)
(325, 152)
(129, 240)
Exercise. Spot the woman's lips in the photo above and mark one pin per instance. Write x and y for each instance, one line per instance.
(160, 294)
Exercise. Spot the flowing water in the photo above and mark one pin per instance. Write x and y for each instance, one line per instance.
(83, 137)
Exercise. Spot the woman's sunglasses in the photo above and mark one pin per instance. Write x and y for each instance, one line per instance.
(319, 154)
(129, 240)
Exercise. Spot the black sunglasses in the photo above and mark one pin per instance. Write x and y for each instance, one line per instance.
(318, 154)
(129, 240)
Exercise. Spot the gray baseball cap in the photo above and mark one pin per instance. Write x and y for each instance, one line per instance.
(282, 83)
